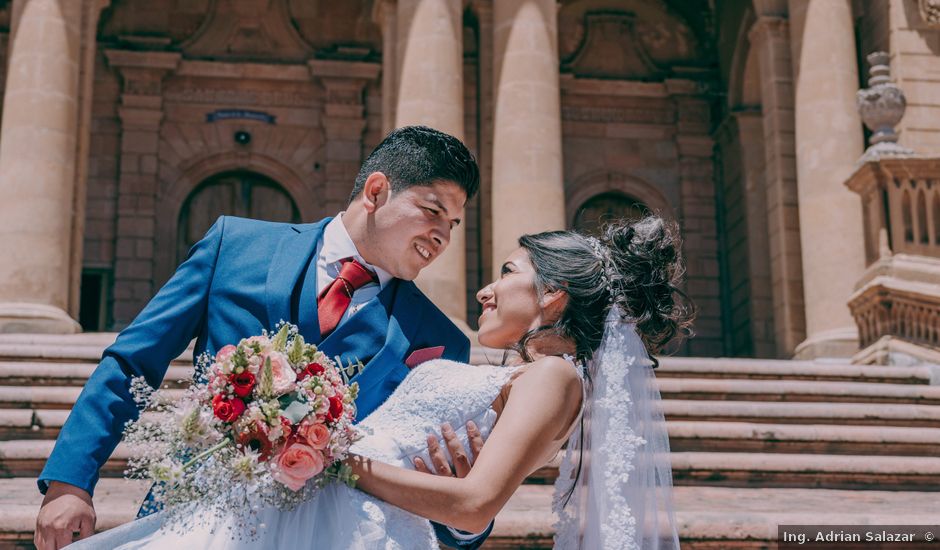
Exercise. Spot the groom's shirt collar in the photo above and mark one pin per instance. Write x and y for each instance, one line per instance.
(337, 245)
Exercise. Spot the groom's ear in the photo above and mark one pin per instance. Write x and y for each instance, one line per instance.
(376, 191)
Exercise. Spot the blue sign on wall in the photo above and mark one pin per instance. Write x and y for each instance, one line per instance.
(227, 114)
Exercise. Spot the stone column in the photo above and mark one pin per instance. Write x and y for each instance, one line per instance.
(384, 13)
(141, 113)
(828, 144)
(696, 152)
(528, 187)
(770, 35)
(343, 123)
(750, 135)
(429, 54)
(484, 11)
(38, 166)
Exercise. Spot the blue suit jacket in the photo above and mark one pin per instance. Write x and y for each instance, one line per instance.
(242, 277)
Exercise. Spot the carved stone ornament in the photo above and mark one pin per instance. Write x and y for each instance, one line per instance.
(930, 12)
(881, 107)
(612, 48)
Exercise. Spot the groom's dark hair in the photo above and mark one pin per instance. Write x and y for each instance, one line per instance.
(418, 155)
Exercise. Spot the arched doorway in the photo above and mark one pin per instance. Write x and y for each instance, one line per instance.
(239, 193)
(606, 207)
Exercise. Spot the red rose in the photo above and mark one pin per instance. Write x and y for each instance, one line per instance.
(336, 407)
(243, 383)
(312, 369)
(227, 410)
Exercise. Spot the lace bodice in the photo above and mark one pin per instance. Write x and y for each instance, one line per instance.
(435, 392)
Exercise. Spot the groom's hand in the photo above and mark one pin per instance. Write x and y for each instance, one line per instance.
(65, 510)
(458, 454)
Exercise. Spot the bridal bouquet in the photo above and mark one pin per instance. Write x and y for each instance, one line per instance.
(266, 421)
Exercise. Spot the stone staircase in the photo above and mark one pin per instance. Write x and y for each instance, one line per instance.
(756, 443)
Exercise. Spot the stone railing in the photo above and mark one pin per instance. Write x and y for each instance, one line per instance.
(896, 304)
(908, 317)
(901, 197)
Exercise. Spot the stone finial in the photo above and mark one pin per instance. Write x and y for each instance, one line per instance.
(881, 107)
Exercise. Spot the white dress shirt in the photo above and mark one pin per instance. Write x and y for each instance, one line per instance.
(337, 245)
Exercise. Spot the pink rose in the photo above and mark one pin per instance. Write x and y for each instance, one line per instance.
(225, 353)
(297, 463)
(284, 375)
(316, 434)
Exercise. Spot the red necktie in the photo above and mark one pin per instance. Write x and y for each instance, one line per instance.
(335, 298)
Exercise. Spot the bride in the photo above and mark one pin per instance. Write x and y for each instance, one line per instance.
(583, 314)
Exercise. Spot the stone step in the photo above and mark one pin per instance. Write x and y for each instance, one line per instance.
(25, 458)
(85, 347)
(50, 397)
(768, 369)
(802, 438)
(723, 518)
(797, 390)
(29, 373)
(707, 517)
(807, 470)
(28, 423)
(742, 469)
(699, 389)
(777, 412)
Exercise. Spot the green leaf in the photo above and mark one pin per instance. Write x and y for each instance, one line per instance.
(266, 383)
(296, 353)
(280, 341)
(295, 411)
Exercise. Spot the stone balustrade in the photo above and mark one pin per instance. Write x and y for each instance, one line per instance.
(896, 304)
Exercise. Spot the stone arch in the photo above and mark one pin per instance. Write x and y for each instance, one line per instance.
(173, 194)
(744, 79)
(597, 183)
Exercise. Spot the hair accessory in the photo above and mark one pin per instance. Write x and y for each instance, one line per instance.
(608, 274)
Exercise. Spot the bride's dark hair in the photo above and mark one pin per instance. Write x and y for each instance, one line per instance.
(637, 266)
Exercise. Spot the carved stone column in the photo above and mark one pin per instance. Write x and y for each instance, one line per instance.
(429, 81)
(770, 35)
(484, 11)
(38, 166)
(527, 161)
(343, 123)
(385, 14)
(141, 113)
(829, 142)
(696, 146)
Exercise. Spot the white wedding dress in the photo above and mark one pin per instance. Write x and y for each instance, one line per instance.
(339, 517)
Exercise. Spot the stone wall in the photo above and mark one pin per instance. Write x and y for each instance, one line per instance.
(651, 143)
(915, 49)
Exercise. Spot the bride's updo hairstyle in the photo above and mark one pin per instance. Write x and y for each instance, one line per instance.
(636, 265)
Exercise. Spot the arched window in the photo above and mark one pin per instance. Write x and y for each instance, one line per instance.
(241, 193)
(606, 207)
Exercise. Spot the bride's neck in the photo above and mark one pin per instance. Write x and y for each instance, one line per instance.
(550, 345)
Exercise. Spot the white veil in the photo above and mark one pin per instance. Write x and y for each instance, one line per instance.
(614, 489)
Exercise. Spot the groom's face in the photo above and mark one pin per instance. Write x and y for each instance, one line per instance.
(413, 226)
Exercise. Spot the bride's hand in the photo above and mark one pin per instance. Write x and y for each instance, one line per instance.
(461, 460)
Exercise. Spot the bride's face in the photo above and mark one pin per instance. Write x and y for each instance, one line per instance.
(511, 304)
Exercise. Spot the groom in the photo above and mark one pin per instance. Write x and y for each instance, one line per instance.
(344, 281)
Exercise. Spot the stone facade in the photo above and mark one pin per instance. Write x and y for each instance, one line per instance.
(735, 118)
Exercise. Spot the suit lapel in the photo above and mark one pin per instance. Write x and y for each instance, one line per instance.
(294, 252)
(403, 322)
